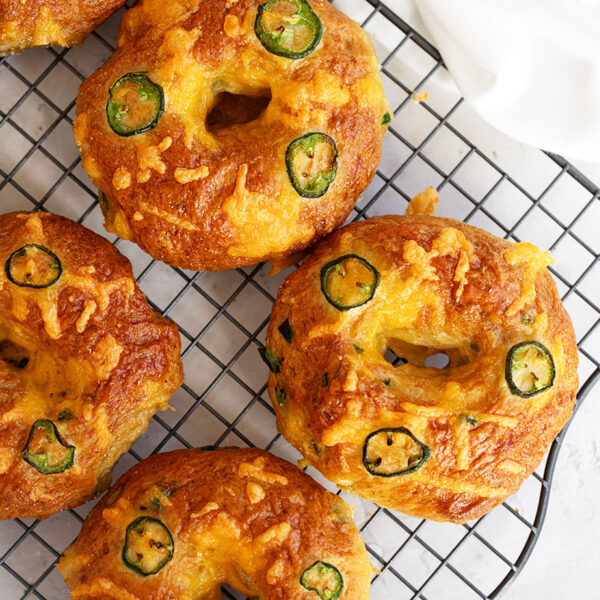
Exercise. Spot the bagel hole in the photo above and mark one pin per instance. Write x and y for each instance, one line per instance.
(13, 355)
(393, 358)
(399, 352)
(236, 109)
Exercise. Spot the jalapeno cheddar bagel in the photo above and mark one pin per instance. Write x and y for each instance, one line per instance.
(179, 524)
(225, 133)
(24, 24)
(445, 443)
(84, 363)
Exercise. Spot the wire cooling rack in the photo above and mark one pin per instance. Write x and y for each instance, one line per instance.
(483, 178)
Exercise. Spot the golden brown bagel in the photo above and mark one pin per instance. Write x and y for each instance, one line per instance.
(468, 441)
(24, 24)
(207, 186)
(83, 360)
(239, 516)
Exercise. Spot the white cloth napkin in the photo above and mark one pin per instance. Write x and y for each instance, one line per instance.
(531, 68)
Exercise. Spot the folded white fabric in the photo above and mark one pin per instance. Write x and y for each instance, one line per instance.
(531, 68)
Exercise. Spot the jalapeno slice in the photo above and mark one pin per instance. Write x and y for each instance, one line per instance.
(349, 281)
(148, 546)
(324, 579)
(33, 266)
(135, 104)
(288, 28)
(282, 395)
(529, 369)
(46, 451)
(393, 452)
(311, 162)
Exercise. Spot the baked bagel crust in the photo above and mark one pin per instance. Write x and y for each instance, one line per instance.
(211, 198)
(240, 516)
(86, 353)
(59, 22)
(444, 286)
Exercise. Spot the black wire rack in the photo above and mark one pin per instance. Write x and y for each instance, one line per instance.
(222, 317)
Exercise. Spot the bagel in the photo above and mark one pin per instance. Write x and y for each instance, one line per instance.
(24, 24)
(179, 524)
(84, 363)
(449, 443)
(218, 142)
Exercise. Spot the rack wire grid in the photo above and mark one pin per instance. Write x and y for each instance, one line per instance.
(515, 192)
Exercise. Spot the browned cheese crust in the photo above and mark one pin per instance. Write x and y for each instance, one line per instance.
(239, 516)
(99, 362)
(24, 24)
(217, 196)
(444, 287)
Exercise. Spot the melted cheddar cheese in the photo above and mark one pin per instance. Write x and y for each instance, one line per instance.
(535, 261)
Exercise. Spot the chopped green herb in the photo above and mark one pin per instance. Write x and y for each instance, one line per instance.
(282, 395)
(271, 360)
(470, 420)
(387, 118)
(65, 415)
(286, 331)
(317, 450)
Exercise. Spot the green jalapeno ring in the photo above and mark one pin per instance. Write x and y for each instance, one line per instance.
(270, 359)
(425, 453)
(513, 365)
(277, 42)
(39, 461)
(55, 265)
(322, 570)
(367, 289)
(316, 186)
(147, 90)
(137, 526)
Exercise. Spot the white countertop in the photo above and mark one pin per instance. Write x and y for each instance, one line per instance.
(565, 563)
